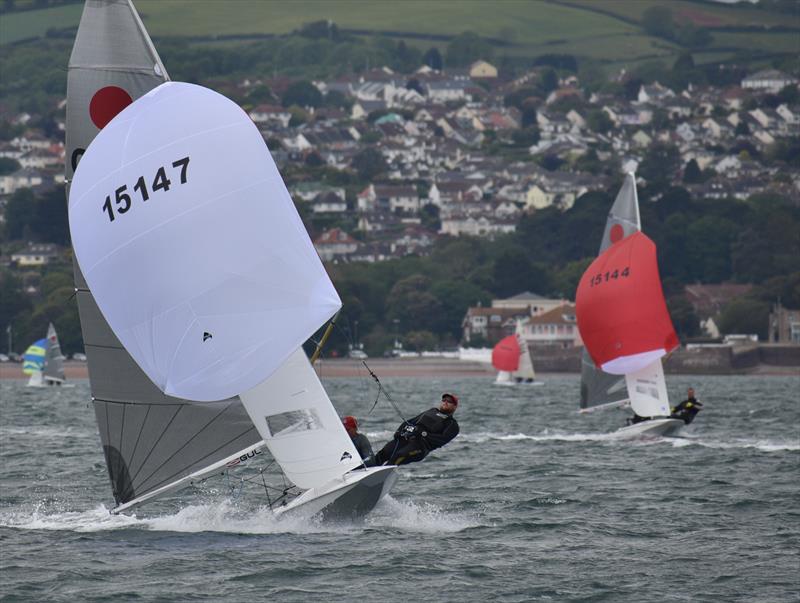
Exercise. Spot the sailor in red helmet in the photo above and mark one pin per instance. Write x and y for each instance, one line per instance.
(360, 441)
(415, 438)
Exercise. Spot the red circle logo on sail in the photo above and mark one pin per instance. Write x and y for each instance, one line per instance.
(106, 103)
(616, 234)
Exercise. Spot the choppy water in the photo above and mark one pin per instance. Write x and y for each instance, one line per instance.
(532, 502)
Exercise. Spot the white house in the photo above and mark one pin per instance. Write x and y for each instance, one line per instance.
(769, 79)
(334, 244)
(397, 198)
(36, 254)
(24, 178)
(556, 327)
(328, 203)
(532, 303)
(265, 114)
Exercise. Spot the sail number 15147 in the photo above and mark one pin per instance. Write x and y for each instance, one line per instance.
(123, 202)
(603, 277)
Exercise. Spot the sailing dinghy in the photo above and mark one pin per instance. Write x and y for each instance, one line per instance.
(512, 359)
(623, 320)
(196, 284)
(43, 361)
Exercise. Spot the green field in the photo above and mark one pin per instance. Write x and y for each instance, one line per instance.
(34, 23)
(701, 13)
(529, 27)
(517, 20)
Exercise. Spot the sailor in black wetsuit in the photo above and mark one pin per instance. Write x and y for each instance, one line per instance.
(687, 409)
(415, 438)
(360, 441)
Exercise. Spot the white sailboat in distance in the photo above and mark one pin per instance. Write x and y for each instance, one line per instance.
(197, 283)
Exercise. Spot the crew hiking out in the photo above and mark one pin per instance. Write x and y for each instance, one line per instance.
(415, 438)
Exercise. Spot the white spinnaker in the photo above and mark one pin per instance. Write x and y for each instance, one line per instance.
(648, 391)
(300, 426)
(212, 283)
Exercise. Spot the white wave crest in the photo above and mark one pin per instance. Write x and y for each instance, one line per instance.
(418, 517)
(226, 516)
(92, 520)
(545, 436)
(762, 445)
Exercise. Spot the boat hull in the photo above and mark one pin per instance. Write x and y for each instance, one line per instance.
(519, 383)
(651, 428)
(346, 498)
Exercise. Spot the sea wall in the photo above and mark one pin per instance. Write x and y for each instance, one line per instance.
(713, 360)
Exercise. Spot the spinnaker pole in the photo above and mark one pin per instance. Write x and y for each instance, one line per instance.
(325, 336)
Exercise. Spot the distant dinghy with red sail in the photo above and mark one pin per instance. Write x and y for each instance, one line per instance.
(512, 359)
(624, 323)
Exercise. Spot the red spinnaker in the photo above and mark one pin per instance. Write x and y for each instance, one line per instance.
(505, 355)
(622, 315)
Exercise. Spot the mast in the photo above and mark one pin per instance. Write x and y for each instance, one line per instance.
(153, 443)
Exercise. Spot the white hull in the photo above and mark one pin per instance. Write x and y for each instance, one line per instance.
(506, 381)
(350, 496)
(650, 428)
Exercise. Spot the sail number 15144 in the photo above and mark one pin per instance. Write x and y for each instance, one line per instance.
(601, 277)
(123, 202)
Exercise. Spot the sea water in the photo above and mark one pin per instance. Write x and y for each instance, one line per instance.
(531, 502)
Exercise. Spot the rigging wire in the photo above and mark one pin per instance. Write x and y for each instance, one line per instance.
(382, 390)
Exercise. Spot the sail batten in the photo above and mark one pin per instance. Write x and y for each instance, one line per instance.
(189, 479)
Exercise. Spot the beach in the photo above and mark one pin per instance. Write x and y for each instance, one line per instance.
(334, 367)
(400, 367)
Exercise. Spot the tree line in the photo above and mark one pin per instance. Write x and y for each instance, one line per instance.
(423, 299)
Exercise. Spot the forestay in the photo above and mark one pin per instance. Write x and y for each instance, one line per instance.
(153, 443)
(192, 246)
(296, 419)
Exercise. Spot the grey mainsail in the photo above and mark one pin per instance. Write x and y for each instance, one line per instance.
(153, 443)
(54, 361)
(600, 389)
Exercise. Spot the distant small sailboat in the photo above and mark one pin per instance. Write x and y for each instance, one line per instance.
(624, 323)
(43, 361)
(196, 284)
(512, 359)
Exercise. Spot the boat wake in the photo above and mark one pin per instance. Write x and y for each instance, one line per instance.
(758, 444)
(678, 441)
(44, 518)
(545, 436)
(228, 516)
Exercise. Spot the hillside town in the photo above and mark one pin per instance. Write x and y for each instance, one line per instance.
(433, 148)
(382, 165)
